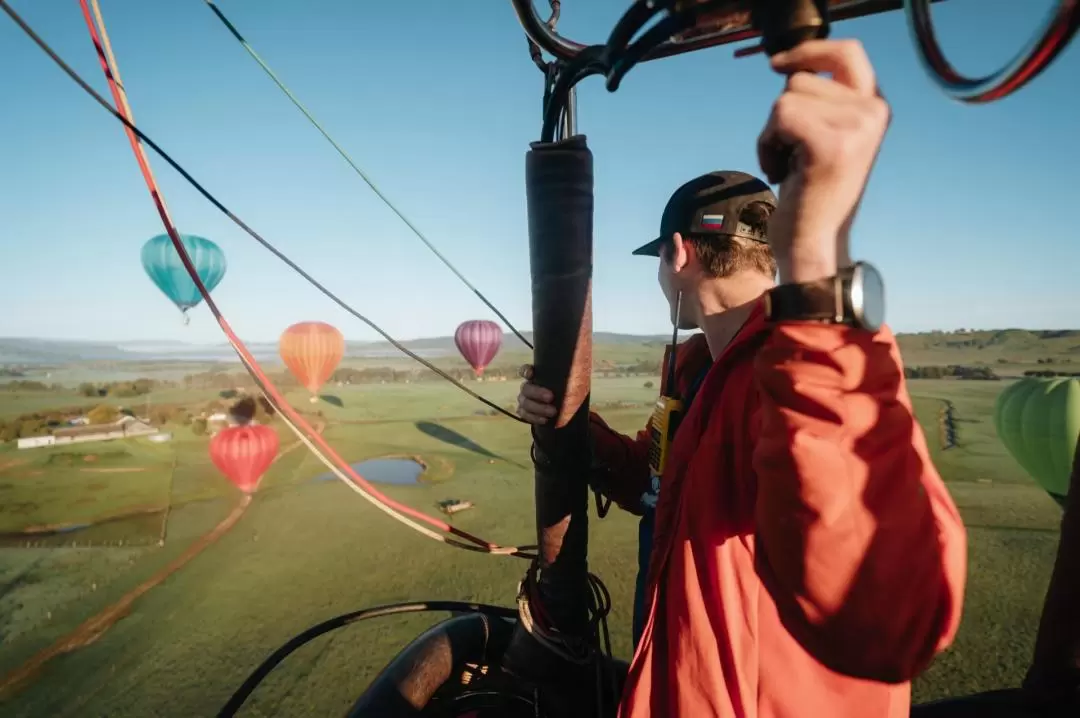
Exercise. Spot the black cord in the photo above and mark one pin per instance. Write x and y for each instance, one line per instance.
(600, 607)
(655, 36)
(363, 175)
(590, 61)
(597, 639)
(224, 210)
(672, 391)
(259, 674)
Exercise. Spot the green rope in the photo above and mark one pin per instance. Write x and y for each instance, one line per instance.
(345, 156)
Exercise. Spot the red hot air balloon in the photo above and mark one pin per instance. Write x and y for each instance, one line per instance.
(244, 453)
(478, 341)
(312, 351)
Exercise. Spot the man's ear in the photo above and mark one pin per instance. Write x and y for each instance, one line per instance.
(680, 255)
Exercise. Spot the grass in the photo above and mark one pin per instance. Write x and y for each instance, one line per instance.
(306, 551)
(1012, 539)
(57, 487)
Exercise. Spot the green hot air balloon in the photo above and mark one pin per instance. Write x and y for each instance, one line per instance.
(1038, 421)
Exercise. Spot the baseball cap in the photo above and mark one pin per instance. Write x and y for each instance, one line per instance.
(711, 204)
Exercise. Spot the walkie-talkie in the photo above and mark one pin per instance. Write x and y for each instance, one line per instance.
(668, 411)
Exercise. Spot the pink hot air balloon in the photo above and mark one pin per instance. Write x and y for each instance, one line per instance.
(478, 341)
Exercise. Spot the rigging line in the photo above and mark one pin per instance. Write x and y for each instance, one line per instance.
(112, 75)
(264, 383)
(345, 156)
(240, 223)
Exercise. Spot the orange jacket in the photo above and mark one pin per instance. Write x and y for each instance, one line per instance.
(808, 561)
(621, 463)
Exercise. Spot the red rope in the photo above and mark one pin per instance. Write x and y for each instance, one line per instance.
(252, 366)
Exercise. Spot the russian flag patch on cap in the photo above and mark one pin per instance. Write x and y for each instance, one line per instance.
(712, 221)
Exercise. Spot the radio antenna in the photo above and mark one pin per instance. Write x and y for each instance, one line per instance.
(671, 390)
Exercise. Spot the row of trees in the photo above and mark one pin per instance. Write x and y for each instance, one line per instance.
(952, 371)
(29, 385)
(240, 382)
(120, 389)
(247, 408)
(40, 423)
(26, 425)
(1049, 373)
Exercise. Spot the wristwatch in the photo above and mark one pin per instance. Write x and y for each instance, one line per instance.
(855, 296)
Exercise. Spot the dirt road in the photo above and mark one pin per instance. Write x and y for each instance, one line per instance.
(94, 627)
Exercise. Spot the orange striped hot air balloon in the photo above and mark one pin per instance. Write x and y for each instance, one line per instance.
(312, 351)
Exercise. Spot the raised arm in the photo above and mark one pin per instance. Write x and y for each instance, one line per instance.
(859, 542)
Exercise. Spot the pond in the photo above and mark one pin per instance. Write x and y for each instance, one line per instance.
(399, 471)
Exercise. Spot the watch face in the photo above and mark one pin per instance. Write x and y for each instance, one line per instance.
(868, 296)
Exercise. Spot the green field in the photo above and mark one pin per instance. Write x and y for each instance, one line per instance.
(306, 551)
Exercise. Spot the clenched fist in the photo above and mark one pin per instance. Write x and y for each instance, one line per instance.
(824, 132)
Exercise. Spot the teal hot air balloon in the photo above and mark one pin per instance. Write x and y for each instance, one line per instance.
(163, 265)
(1038, 421)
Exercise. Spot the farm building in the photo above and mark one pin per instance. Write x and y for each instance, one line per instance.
(32, 442)
(126, 426)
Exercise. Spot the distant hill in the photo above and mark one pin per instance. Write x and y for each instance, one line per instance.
(19, 350)
(989, 346)
(54, 351)
(510, 341)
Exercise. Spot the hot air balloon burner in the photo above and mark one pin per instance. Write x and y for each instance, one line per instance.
(682, 26)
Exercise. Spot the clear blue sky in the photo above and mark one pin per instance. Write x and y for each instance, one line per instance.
(969, 212)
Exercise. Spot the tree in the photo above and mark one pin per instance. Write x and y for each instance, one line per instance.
(123, 390)
(143, 385)
(88, 389)
(243, 411)
(648, 385)
(32, 427)
(102, 414)
(198, 426)
(264, 412)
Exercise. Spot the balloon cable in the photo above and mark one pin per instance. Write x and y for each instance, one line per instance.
(349, 160)
(289, 415)
(131, 128)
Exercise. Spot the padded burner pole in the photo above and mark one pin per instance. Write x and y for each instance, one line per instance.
(559, 186)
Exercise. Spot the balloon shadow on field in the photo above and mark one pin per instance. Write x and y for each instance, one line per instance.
(449, 436)
(331, 399)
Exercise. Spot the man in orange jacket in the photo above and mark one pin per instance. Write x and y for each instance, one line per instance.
(807, 558)
(620, 464)
(620, 467)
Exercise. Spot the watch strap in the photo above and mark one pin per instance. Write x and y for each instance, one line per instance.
(823, 300)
